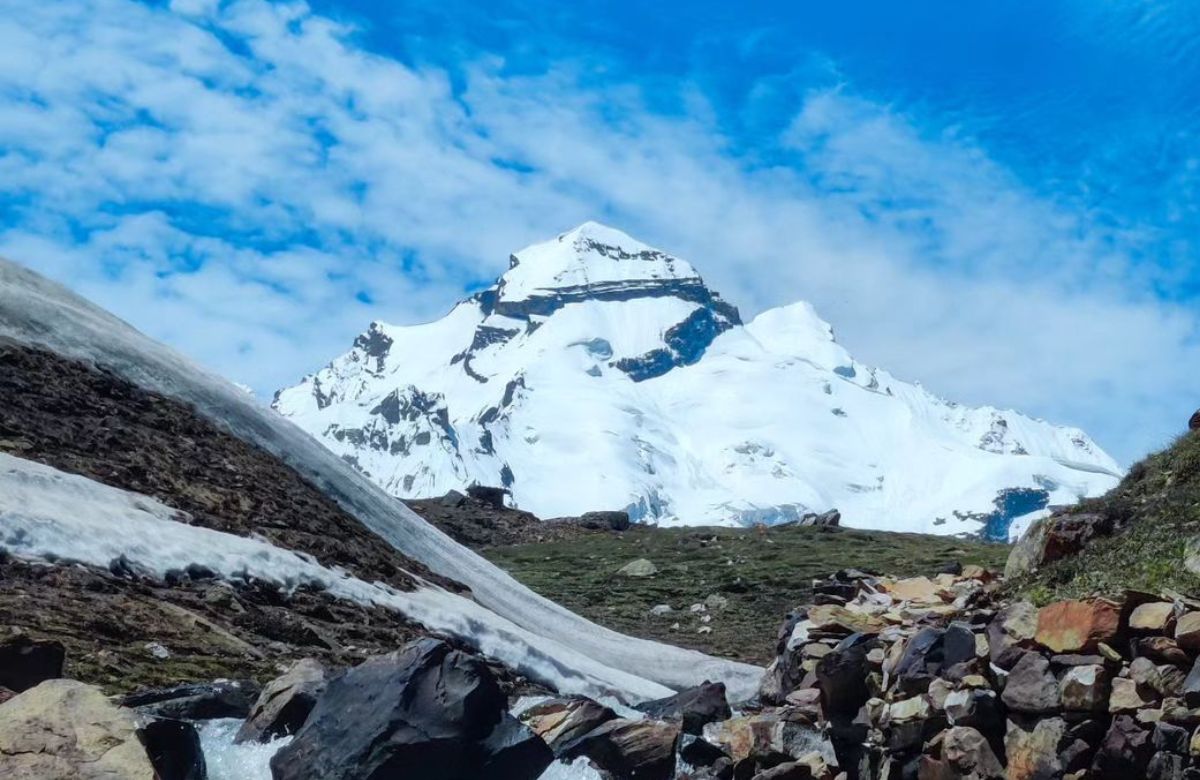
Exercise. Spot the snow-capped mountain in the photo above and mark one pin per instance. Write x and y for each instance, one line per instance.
(601, 373)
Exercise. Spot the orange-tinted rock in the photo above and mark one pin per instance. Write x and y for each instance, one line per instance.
(1077, 626)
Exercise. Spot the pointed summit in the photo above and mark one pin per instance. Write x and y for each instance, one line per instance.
(590, 258)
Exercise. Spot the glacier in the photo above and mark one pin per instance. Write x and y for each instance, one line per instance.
(601, 373)
(502, 618)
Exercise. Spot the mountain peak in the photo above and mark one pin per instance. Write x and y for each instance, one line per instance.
(590, 258)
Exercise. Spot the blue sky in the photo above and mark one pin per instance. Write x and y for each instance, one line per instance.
(997, 200)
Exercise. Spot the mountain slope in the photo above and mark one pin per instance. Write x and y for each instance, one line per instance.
(499, 617)
(600, 373)
(1144, 535)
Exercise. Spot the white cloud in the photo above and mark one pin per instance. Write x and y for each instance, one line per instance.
(234, 201)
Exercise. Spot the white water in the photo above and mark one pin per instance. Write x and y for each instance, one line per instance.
(227, 761)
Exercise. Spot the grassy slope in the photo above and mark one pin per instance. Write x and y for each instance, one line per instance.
(769, 575)
(1157, 507)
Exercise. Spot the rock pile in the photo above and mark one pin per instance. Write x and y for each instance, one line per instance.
(932, 678)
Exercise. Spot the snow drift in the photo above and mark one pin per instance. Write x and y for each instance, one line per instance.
(509, 619)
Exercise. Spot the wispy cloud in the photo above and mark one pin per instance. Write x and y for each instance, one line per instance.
(248, 182)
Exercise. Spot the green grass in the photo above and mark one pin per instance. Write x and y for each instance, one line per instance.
(1157, 509)
(762, 576)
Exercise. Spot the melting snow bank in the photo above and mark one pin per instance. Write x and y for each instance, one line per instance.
(38, 313)
(48, 514)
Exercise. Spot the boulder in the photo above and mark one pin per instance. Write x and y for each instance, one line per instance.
(1067, 534)
(781, 732)
(693, 707)
(969, 754)
(201, 701)
(562, 722)
(65, 730)
(1194, 421)
(1125, 752)
(1187, 631)
(979, 709)
(1172, 739)
(425, 711)
(843, 674)
(1030, 687)
(638, 568)
(1077, 626)
(642, 749)
(486, 494)
(284, 703)
(174, 750)
(1026, 554)
(1190, 690)
(918, 589)
(1033, 749)
(1128, 696)
(1156, 616)
(25, 662)
(605, 521)
(1084, 688)
(1010, 631)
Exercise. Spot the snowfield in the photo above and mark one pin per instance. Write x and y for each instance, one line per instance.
(599, 373)
(506, 620)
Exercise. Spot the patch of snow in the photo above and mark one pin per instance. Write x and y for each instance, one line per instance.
(42, 314)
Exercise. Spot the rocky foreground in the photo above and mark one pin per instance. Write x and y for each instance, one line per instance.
(924, 677)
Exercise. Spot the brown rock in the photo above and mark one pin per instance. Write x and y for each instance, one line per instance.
(1128, 696)
(1084, 688)
(1156, 616)
(560, 722)
(1194, 421)
(1033, 750)
(1077, 626)
(632, 748)
(918, 589)
(780, 732)
(284, 703)
(1187, 631)
(1066, 535)
(1162, 649)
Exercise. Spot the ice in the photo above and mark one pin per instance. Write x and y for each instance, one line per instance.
(40, 313)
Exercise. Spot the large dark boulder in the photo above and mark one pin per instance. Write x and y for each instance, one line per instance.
(1125, 752)
(425, 711)
(174, 750)
(694, 707)
(200, 701)
(605, 521)
(25, 662)
(1194, 422)
(842, 676)
(491, 496)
